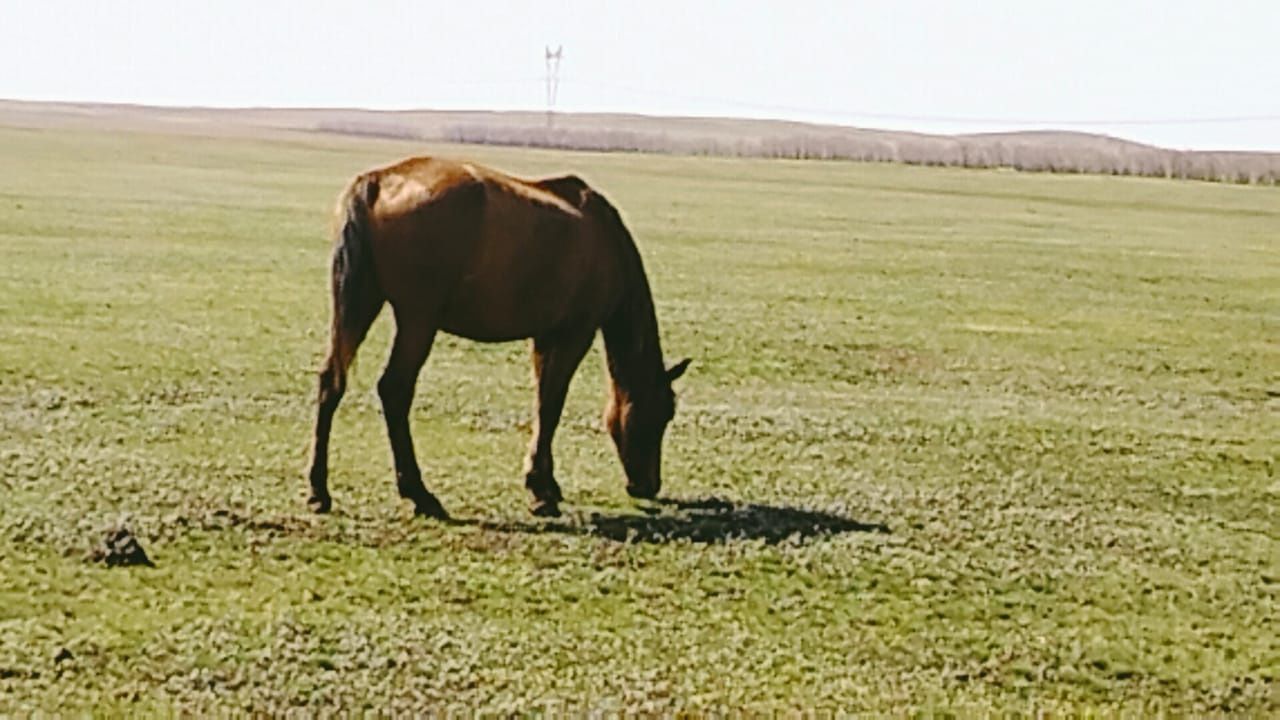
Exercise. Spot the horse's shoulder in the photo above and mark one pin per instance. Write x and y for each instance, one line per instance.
(534, 192)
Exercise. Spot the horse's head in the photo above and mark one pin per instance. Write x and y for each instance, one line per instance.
(637, 422)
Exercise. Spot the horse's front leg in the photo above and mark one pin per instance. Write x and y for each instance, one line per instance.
(555, 358)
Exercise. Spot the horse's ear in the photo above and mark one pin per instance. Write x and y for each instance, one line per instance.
(675, 371)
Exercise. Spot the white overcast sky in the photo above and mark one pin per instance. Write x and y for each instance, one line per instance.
(1201, 74)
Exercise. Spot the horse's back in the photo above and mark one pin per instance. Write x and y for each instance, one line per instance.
(410, 185)
(502, 257)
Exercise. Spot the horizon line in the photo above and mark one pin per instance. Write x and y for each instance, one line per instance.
(1018, 127)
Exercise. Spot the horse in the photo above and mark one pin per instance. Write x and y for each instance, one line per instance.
(468, 250)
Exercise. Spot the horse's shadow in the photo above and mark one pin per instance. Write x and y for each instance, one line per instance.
(709, 520)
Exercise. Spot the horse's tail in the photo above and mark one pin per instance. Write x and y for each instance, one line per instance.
(356, 295)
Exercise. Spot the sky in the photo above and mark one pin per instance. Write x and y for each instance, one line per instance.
(1182, 74)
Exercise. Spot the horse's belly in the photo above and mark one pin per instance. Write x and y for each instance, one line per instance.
(486, 329)
(508, 313)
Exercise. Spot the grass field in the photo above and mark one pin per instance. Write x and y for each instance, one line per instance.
(952, 439)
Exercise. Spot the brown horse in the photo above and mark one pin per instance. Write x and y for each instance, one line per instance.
(473, 252)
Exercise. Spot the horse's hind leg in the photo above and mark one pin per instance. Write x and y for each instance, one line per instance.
(408, 353)
(555, 358)
(332, 385)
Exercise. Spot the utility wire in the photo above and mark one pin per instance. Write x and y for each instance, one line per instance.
(954, 119)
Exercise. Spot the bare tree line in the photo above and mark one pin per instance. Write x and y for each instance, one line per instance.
(1062, 152)
(1057, 152)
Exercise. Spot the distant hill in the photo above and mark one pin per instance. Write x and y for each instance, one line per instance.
(1038, 151)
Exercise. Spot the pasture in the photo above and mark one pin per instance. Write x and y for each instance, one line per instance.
(952, 439)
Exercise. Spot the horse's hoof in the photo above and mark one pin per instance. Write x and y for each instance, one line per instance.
(319, 505)
(642, 493)
(545, 489)
(430, 507)
(542, 508)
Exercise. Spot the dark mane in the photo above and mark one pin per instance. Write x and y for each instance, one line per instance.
(632, 345)
(570, 188)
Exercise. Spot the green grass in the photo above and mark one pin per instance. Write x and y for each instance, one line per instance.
(1058, 394)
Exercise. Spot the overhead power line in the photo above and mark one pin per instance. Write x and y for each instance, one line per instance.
(953, 119)
(552, 80)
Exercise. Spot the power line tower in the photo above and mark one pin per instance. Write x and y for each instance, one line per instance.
(553, 80)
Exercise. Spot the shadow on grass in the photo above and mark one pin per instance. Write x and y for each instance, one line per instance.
(709, 520)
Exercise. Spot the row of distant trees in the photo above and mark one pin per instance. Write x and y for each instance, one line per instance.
(1033, 152)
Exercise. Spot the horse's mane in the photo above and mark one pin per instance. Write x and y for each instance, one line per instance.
(631, 332)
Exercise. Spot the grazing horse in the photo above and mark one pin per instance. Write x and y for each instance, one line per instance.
(476, 253)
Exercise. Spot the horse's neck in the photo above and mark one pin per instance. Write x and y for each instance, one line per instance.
(631, 341)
